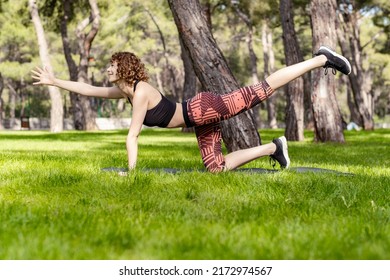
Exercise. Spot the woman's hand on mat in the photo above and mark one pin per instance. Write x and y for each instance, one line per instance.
(43, 76)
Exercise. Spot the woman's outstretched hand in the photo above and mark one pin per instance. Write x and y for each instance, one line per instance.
(43, 76)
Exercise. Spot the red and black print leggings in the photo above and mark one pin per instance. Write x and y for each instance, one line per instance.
(205, 111)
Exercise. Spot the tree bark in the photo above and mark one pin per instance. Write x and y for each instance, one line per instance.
(212, 70)
(361, 83)
(295, 89)
(57, 111)
(327, 118)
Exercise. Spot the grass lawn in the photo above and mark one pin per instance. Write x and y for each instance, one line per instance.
(56, 203)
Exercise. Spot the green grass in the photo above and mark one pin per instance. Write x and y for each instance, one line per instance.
(56, 203)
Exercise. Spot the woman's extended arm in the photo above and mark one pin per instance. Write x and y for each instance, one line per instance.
(43, 77)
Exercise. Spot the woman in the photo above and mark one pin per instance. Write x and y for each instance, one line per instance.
(204, 111)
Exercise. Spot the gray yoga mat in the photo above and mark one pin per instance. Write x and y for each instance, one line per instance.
(247, 170)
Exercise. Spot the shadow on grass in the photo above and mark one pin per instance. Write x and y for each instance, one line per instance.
(63, 136)
(85, 135)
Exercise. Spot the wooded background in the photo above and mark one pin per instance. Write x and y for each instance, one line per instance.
(191, 46)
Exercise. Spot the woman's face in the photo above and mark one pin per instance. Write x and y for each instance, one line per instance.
(112, 72)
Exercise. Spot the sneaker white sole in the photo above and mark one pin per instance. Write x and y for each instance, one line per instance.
(339, 56)
(285, 150)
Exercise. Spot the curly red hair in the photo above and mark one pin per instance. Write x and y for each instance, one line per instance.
(130, 67)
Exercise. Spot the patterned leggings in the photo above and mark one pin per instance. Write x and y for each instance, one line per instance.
(205, 111)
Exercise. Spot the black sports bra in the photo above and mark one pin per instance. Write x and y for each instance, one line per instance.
(161, 114)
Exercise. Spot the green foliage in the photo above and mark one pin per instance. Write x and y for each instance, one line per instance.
(16, 42)
(379, 11)
(55, 203)
(127, 25)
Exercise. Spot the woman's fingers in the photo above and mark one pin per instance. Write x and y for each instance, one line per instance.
(37, 74)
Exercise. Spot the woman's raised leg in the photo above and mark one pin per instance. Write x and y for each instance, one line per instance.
(290, 73)
(325, 57)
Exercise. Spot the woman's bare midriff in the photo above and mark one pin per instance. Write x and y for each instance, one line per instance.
(177, 119)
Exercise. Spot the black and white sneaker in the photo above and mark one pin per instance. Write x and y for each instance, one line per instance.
(335, 61)
(281, 153)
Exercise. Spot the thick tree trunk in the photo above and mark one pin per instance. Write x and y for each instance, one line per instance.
(269, 68)
(295, 89)
(212, 70)
(57, 111)
(361, 83)
(327, 117)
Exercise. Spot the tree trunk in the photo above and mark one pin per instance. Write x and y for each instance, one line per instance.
(349, 38)
(75, 98)
(171, 70)
(154, 62)
(56, 113)
(12, 103)
(252, 56)
(308, 108)
(212, 70)
(85, 42)
(295, 89)
(1, 102)
(269, 68)
(189, 88)
(354, 113)
(387, 111)
(327, 117)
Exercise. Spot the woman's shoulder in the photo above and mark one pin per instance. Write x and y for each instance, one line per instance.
(145, 88)
(141, 84)
(146, 91)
